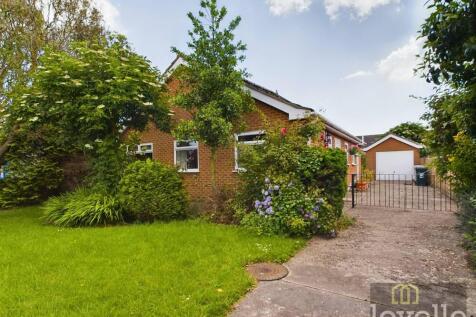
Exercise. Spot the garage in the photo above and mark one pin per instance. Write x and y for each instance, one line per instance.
(395, 163)
(393, 155)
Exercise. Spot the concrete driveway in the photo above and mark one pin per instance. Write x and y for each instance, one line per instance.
(333, 277)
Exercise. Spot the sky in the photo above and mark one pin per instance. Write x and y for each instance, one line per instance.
(352, 60)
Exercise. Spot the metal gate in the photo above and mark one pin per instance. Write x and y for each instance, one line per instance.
(405, 192)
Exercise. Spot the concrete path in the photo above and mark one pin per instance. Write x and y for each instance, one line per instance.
(333, 277)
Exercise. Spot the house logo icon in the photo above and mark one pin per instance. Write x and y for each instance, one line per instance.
(405, 294)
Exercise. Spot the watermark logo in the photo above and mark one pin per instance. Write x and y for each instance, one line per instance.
(415, 299)
(405, 294)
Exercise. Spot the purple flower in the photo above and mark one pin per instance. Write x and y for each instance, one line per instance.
(257, 204)
(316, 208)
(267, 180)
(276, 187)
(266, 193)
(269, 211)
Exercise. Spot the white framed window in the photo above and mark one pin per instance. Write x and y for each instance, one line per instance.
(186, 156)
(145, 150)
(337, 143)
(354, 159)
(346, 147)
(247, 138)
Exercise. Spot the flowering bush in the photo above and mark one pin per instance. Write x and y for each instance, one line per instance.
(291, 187)
(287, 209)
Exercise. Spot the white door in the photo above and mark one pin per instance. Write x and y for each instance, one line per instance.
(396, 163)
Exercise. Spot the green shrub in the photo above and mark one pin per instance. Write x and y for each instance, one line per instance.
(83, 207)
(291, 187)
(150, 191)
(468, 217)
(325, 169)
(29, 181)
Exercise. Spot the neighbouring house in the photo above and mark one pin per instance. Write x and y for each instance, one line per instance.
(193, 158)
(391, 155)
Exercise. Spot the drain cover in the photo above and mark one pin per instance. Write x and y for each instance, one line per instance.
(267, 271)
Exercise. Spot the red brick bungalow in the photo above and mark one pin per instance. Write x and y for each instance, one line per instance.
(193, 158)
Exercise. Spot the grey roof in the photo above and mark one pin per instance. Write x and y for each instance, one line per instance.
(277, 96)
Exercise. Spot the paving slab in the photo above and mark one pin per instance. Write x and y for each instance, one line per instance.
(333, 277)
(284, 299)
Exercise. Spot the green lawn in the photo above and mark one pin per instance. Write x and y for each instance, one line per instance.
(189, 268)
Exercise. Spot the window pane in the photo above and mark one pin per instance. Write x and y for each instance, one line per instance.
(238, 157)
(145, 148)
(250, 137)
(187, 159)
(186, 143)
(337, 143)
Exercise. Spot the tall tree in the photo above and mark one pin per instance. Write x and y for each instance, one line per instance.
(212, 84)
(27, 27)
(411, 130)
(448, 62)
(83, 100)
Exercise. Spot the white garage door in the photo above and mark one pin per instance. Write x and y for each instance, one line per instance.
(398, 162)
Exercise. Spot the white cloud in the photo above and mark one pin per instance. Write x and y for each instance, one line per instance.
(399, 65)
(110, 14)
(283, 7)
(358, 8)
(359, 73)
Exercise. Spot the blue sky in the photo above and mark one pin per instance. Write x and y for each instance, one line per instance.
(352, 59)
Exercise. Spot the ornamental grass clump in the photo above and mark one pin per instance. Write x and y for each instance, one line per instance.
(83, 208)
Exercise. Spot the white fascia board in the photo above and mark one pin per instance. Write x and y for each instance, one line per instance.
(293, 113)
(396, 137)
(179, 61)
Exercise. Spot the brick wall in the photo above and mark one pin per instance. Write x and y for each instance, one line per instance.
(198, 184)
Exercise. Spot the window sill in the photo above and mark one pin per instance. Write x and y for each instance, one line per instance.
(189, 171)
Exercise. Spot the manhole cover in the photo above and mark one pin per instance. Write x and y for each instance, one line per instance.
(267, 271)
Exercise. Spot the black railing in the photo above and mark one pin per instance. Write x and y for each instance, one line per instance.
(406, 192)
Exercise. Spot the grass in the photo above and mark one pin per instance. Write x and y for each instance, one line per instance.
(188, 268)
(345, 222)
